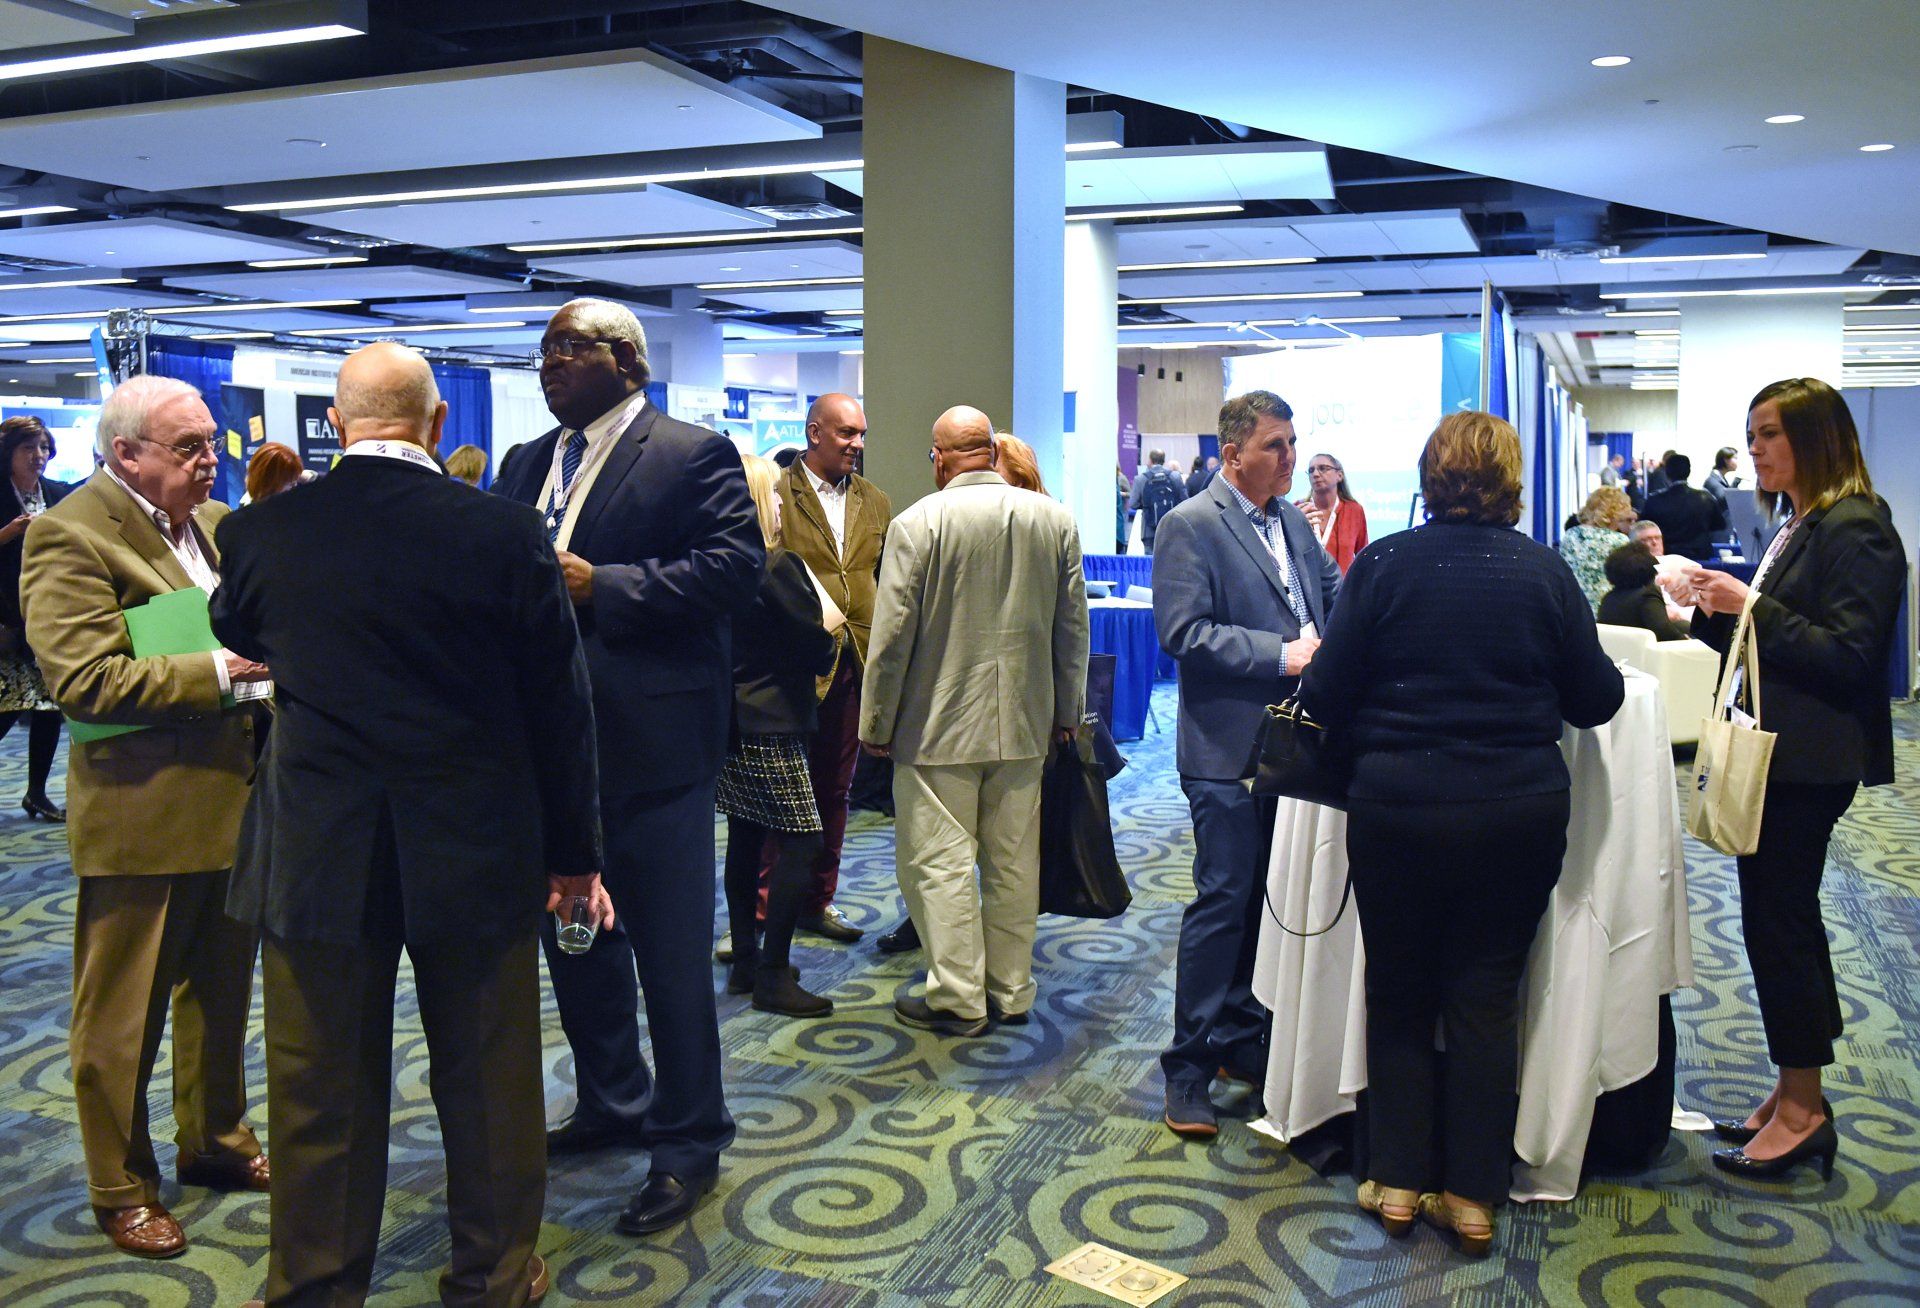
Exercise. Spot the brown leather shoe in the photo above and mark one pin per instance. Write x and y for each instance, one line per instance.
(225, 1171)
(537, 1279)
(144, 1230)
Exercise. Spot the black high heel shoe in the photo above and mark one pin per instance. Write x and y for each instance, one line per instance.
(39, 807)
(1739, 1132)
(1823, 1144)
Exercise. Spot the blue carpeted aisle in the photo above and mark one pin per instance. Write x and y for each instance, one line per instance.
(880, 1166)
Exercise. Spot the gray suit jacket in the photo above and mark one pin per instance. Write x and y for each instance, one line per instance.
(979, 641)
(1221, 610)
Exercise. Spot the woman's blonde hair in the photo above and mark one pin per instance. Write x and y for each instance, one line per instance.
(1607, 507)
(1018, 466)
(467, 463)
(1827, 463)
(1470, 470)
(763, 477)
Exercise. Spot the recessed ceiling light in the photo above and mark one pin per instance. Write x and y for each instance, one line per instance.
(709, 238)
(307, 261)
(33, 211)
(1676, 258)
(1211, 263)
(1741, 149)
(1611, 61)
(734, 267)
(1875, 149)
(125, 53)
(778, 283)
(404, 328)
(71, 281)
(1238, 299)
(1182, 211)
(1779, 119)
(313, 141)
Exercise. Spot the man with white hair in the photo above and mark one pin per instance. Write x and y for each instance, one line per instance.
(660, 544)
(153, 812)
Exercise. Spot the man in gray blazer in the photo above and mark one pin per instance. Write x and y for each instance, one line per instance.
(1241, 591)
(977, 663)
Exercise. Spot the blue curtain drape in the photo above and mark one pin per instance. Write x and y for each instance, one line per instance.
(1498, 403)
(657, 395)
(206, 366)
(737, 403)
(1617, 442)
(469, 396)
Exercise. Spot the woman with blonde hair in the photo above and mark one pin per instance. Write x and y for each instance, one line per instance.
(779, 647)
(467, 463)
(1453, 657)
(1605, 519)
(1018, 466)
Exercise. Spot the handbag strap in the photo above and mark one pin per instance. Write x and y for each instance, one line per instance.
(1346, 893)
(1743, 654)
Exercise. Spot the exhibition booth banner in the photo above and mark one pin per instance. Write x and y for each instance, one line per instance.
(319, 442)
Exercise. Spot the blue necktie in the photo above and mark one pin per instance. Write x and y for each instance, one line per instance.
(570, 457)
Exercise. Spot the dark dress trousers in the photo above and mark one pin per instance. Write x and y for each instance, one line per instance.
(1689, 519)
(1643, 606)
(1221, 610)
(432, 762)
(1824, 620)
(676, 550)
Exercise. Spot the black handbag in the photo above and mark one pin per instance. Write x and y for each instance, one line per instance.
(1299, 758)
(1080, 874)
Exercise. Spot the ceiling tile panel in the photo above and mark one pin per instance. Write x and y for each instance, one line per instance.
(642, 211)
(142, 243)
(683, 267)
(351, 281)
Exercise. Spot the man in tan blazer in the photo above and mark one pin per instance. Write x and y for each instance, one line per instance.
(978, 663)
(153, 815)
(836, 521)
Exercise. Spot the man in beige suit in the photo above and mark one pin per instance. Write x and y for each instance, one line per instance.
(153, 815)
(836, 521)
(978, 662)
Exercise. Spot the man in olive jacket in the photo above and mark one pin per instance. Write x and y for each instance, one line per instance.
(836, 521)
(153, 814)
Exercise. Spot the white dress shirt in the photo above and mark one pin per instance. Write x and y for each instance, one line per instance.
(599, 433)
(833, 498)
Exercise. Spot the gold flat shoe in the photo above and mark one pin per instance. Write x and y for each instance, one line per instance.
(1394, 1208)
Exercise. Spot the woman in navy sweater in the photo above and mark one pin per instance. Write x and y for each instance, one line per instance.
(1458, 650)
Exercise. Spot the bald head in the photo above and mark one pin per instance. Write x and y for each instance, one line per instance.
(962, 442)
(836, 436)
(386, 392)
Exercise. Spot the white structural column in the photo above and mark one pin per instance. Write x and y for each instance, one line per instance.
(685, 346)
(965, 197)
(1091, 449)
(1731, 346)
(822, 371)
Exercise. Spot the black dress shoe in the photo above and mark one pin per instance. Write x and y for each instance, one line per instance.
(917, 1012)
(578, 1135)
(40, 808)
(1823, 1145)
(999, 1017)
(662, 1202)
(900, 940)
(1739, 1132)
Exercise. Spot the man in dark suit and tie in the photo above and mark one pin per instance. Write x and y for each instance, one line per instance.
(1241, 591)
(660, 544)
(428, 784)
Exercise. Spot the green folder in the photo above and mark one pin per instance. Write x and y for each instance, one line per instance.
(174, 623)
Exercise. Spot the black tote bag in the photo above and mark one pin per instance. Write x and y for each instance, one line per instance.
(1080, 874)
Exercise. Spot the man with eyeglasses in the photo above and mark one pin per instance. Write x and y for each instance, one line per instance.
(153, 813)
(659, 543)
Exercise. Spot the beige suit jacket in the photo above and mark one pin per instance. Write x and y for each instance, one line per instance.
(979, 629)
(850, 575)
(157, 802)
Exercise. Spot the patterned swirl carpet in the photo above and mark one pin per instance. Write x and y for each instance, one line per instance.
(881, 1166)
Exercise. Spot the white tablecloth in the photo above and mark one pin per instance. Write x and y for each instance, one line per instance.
(1614, 939)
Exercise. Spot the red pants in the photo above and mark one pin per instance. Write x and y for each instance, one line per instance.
(830, 759)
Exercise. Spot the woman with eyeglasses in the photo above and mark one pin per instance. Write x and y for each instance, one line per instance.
(25, 448)
(1339, 523)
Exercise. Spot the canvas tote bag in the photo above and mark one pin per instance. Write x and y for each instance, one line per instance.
(1730, 765)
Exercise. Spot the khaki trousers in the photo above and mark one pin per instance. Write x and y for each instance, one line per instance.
(138, 942)
(978, 936)
(329, 1086)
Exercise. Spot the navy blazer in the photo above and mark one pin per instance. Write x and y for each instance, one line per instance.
(14, 550)
(1220, 609)
(675, 545)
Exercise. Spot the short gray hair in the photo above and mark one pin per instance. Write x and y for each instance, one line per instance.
(609, 322)
(128, 405)
(1241, 414)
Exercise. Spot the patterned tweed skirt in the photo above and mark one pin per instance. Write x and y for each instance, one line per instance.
(765, 781)
(21, 687)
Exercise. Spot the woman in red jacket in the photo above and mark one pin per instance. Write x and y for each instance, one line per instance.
(1339, 523)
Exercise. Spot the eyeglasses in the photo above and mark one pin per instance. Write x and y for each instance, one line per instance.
(191, 452)
(566, 347)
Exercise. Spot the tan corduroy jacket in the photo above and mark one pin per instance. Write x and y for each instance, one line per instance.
(850, 576)
(163, 801)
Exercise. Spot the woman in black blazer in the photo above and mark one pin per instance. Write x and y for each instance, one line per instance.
(25, 447)
(779, 648)
(1829, 588)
